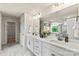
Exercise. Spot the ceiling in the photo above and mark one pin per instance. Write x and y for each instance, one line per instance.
(16, 9)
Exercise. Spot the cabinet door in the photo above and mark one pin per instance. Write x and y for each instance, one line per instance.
(30, 25)
(70, 27)
(36, 26)
(22, 40)
(45, 51)
(48, 52)
(55, 50)
(76, 53)
(37, 47)
(30, 43)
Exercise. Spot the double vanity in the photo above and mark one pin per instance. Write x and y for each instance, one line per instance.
(51, 46)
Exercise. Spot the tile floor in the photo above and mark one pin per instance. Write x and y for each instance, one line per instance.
(15, 50)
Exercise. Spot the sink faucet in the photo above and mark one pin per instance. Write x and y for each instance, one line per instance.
(63, 36)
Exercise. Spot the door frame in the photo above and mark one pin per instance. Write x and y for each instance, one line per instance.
(6, 22)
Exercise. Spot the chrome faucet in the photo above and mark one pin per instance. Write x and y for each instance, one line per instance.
(63, 36)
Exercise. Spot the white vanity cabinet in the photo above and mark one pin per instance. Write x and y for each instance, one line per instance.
(37, 47)
(76, 54)
(44, 48)
(30, 43)
(52, 50)
(47, 51)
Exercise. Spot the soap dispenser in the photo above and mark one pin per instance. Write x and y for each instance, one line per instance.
(66, 39)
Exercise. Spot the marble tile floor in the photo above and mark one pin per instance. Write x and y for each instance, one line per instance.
(15, 50)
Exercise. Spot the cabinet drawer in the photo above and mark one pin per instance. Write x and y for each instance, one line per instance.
(37, 53)
(37, 47)
(48, 52)
(37, 50)
(59, 50)
(37, 43)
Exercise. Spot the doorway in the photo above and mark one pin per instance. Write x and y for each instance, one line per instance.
(11, 32)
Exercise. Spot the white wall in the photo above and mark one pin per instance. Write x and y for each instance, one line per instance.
(22, 34)
(0, 30)
(78, 9)
(7, 18)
